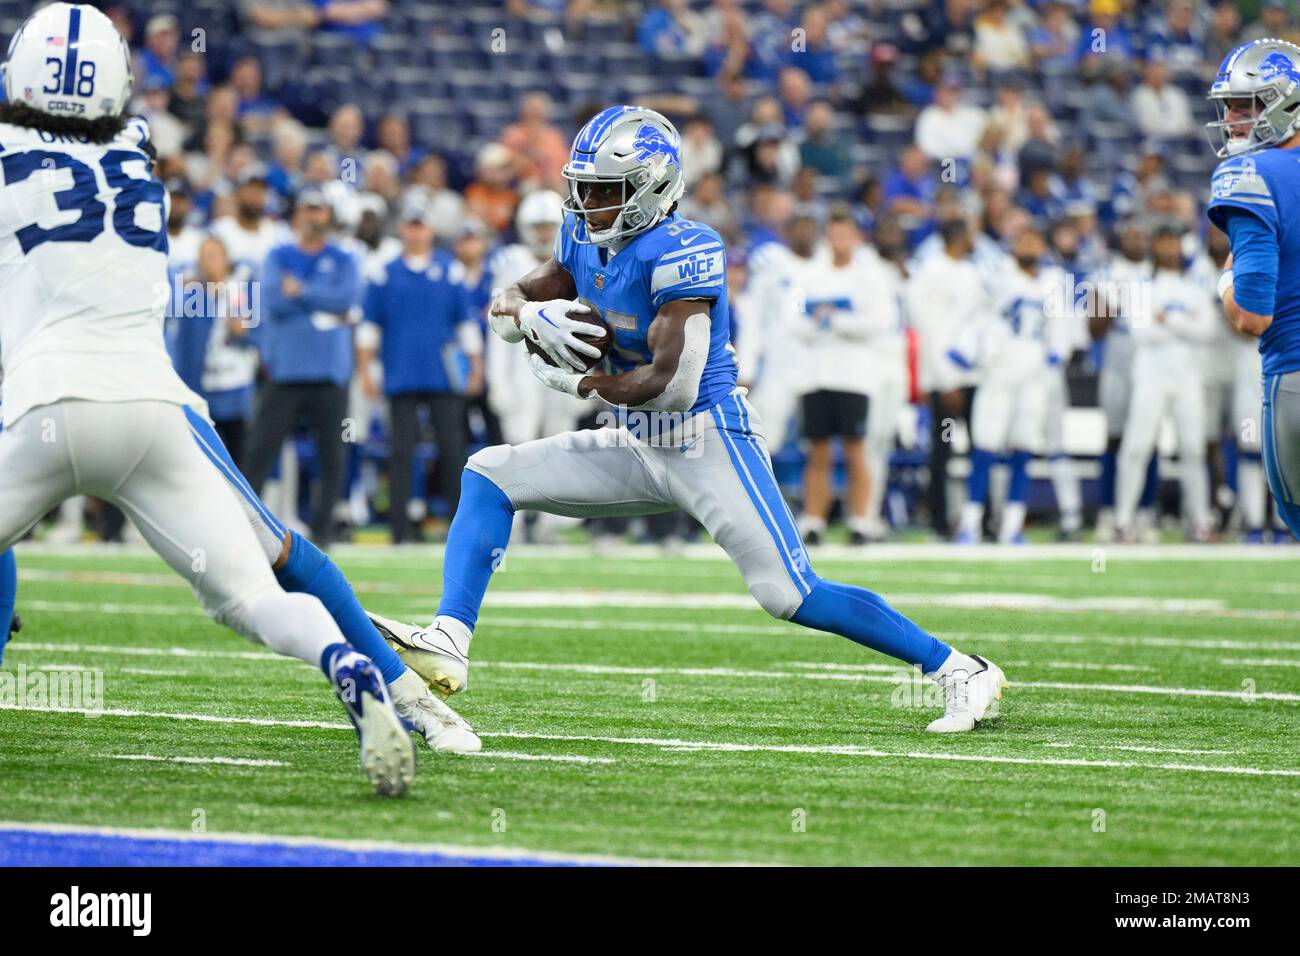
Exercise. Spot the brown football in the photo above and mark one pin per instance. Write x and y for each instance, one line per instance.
(600, 336)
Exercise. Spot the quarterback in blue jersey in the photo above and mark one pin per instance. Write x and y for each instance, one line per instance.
(684, 436)
(1255, 200)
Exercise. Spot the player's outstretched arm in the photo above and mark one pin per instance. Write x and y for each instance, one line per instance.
(679, 341)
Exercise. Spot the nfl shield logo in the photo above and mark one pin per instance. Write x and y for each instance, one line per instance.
(599, 280)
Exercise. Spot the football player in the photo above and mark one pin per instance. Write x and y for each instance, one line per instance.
(91, 402)
(1257, 95)
(1168, 339)
(1016, 353)
(689, 440)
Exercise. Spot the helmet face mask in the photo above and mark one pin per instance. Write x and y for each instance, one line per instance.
(637, 153)
(1259, 82)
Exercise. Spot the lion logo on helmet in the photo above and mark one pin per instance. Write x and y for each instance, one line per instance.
(651, 141)
(1278, 63)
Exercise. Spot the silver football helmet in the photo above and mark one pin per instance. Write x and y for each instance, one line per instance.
(1259, 81)
(639, 151)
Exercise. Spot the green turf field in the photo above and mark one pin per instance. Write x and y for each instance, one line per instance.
(637, 706)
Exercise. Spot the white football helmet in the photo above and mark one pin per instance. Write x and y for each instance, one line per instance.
(69, 60)
(641, 152)
(539, 208)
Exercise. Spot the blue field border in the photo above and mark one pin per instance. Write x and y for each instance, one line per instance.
(42, 848)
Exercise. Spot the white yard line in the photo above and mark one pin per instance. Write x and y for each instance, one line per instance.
(554, 758)
(848, 750)
(223, 761)
(860, 673)
(355, 846)
(1184, 751)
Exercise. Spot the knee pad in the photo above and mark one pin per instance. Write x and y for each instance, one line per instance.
(781, 600)
(237, 613)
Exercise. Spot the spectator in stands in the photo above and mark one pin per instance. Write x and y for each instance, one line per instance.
(310, 288)
(1104, 38)
(288, 149)
(882, 93)
(248, 232)
(257, 111)
(728, 54)
(672, 30)
(157, 61)
(1108, 97)
(1054, 42)
(947, 26)
(538, 149)
(183, 237)
(728, 108)
(430, 181)
(1039, 151)
(213, 353)
(949, 129)
(1222, 34)
(1000, 44)
(166, 131)
(702, 153)
(420, 311)
(1011, 113)
(1177, 40)
(273, 22)
(491, 197)
(823, 148)
(796, 93)
(812, 52)
(770, 34)
(347, 126)
(1161, 109)
(360, 20)
(1274, 21)
(393, 133)
(909, 194)
(189, 91)
(707, 203)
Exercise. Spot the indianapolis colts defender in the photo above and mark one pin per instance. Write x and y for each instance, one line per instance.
(91, 402)
(1255, 195)
(689, 439)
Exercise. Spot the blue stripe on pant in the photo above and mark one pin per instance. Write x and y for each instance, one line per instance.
(211, 446)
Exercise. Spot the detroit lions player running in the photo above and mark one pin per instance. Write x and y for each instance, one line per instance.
(690, 440)
(1254, 197)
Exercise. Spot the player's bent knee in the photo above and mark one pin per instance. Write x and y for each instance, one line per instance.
(780, 601)
(237, 613)
(488, 462)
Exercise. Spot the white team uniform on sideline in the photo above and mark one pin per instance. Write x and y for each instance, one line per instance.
(91, 402)
(526, 408)
(945, 296)
(1167, 379)
(770, 354)
(1010, 351)
(888, 374)
(1115, 383)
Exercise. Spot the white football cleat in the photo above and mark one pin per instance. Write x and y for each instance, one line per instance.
(431, 652)
(970, 697)
(446, 731)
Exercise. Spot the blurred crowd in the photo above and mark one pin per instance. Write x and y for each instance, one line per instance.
(356, 174)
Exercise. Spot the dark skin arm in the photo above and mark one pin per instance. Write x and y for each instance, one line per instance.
(666, 336)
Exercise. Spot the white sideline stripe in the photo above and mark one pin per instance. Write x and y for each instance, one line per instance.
(354, 846)
(1258, 662)
(224, 761)
(556, 758)
(849, 750)
(1153, 750)
(852, 673)
(894, 668)
(150, 672)
(707, 551)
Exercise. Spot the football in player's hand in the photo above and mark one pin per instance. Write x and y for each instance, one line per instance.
(600, 336)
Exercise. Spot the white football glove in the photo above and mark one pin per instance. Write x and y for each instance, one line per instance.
(560, 379)
(548, 325)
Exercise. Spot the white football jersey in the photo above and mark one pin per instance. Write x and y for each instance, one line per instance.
(1031, 321)
(83, 263)
(846, 316)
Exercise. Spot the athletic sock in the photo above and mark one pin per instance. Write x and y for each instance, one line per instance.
(476, 546)
(1106, 492)
(866, 618)
(1152, 483)
(1069, 496)
(8, 596)
(310, 571)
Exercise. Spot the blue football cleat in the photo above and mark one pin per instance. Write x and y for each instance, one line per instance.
(387, 754)
(965, 537)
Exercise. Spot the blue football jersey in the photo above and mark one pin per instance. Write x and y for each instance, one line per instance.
(1267, 184)
(677, 259)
